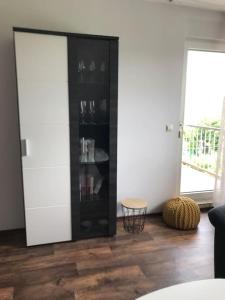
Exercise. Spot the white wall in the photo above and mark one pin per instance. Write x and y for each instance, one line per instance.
(150, 78)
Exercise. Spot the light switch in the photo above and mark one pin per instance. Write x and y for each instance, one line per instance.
(169, 127)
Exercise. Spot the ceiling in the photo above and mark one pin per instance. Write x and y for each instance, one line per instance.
(209, 4)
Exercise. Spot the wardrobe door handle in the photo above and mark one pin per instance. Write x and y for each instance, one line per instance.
(24, 147)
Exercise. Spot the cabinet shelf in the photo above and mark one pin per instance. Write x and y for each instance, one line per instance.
(95, 162)
(94, 124)
(92, 83)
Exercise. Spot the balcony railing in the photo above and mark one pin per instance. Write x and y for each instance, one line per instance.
(200, 147)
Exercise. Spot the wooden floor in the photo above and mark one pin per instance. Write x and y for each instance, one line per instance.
(122, 267)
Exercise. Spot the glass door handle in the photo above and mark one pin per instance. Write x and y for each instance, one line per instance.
(24, 147)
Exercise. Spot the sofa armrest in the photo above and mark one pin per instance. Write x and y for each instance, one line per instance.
(217, 217)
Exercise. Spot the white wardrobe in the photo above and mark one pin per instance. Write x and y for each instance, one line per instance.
(42, 76)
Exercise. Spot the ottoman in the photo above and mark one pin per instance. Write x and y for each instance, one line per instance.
(181, 213)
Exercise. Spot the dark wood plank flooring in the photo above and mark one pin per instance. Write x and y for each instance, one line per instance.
(122, 267)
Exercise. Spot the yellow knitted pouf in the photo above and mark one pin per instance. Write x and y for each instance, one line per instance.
(181, 213)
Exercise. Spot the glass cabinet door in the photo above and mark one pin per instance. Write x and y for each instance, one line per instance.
(89, 134)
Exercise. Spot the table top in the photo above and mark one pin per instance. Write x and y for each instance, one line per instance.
(134, 203)
(210, 289)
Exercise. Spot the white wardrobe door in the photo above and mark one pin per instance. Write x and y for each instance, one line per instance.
(47, 145)
(47, 225)
(44, 123)
(41, 57)
(45, 187)
(49, 102)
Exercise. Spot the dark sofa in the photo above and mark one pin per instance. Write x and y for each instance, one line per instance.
(217, 218)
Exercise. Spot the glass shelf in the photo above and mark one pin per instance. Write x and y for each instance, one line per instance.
(94, 124)
(91, 83)
(94, 162)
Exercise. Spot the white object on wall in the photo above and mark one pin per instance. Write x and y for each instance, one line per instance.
(169, 127)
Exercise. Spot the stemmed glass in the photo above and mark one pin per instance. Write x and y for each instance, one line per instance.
(92, 110)
(83, 110)
(81, 68)
(92, 66)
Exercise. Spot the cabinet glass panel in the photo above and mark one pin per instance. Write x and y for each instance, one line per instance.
(90, 84)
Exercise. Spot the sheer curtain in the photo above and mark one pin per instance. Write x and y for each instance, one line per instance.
(219, 192)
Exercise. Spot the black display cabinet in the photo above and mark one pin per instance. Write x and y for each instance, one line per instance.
(93, 92)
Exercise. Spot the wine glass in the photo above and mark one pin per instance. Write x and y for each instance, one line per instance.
(92, 66)
(81, 68)
(83, 110)
(92, 110)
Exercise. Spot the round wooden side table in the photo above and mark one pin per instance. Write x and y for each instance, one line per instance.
(134, 212)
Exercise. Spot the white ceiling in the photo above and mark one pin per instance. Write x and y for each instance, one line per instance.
(209, 4)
